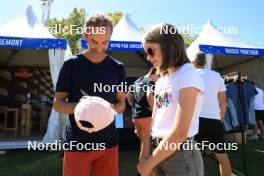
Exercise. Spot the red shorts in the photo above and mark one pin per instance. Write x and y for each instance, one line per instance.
(142, 126)
(100, 163)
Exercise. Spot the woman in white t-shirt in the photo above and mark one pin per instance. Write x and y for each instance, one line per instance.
(177, 104)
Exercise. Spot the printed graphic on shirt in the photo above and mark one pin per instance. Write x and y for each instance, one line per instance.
(164, 98)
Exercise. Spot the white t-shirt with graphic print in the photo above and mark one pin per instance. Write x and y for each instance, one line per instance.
(167, 95)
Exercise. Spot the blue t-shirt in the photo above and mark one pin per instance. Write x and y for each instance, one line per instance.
(78, 73)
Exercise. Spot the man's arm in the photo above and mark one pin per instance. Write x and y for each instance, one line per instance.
(222, 104)
(121, 103)
(61, 104)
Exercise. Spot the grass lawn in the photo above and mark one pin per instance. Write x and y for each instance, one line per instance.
(43, 163)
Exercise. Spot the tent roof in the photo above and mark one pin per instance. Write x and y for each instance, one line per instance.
(26, 26)
(126, 30)
(126, 36)
(212, 41)
(27, 32)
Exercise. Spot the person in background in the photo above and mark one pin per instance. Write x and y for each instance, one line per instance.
(141, 101)
(259, 112)
(213, 111)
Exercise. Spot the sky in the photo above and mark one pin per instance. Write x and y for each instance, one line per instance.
(241, 20)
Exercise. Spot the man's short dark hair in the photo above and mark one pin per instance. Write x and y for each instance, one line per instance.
(200, 59)
(98, 20)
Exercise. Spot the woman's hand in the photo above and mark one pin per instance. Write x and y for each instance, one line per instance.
(145, 168)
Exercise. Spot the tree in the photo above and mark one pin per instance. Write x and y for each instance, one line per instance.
(71, 27)
(116, 16)
(187, 39)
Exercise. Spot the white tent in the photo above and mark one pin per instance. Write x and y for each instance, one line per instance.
(227, 55)
(126, 45)
(24, 41)
(127, 31)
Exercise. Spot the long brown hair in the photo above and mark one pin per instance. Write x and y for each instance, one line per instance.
(171, 43)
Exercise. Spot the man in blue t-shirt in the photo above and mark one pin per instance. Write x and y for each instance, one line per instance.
(95, 152)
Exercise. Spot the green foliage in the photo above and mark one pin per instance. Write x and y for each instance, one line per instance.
(68, 28)
(43, 163)
(187, 39)
(116, 16)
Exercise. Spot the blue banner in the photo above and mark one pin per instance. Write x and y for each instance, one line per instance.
(119, 46)
(231, 51)
(36, 43)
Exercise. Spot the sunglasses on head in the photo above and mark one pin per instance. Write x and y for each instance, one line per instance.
(150, 52)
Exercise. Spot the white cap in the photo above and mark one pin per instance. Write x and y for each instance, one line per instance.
(96, 111)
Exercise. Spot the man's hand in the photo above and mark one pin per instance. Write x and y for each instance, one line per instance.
(112, 105)
(83, 97)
